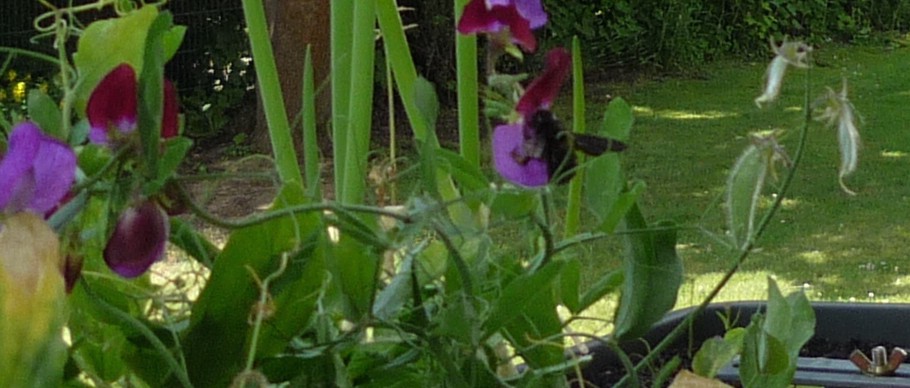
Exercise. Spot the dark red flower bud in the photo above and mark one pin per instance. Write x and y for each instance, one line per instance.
(138, 240)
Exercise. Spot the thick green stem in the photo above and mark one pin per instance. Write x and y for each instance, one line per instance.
(310, 147)
(342, 11)
(466, 79)
(573, 208)
(270, 92)
(360, 108)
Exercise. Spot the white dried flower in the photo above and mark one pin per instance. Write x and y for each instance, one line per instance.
(838, 110)
(788, 53)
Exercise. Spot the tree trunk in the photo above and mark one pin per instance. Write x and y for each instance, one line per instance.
(294, 24)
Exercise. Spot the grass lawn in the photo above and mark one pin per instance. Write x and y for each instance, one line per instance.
(688, 133)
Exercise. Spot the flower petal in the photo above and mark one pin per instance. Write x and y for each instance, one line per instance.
(492, 16)
(476, 17)
(170, 118)
(16, 186)
(36, 173)
(544, 89)
(511, 161)
(532, 11)
(138, 240)
(113, 104)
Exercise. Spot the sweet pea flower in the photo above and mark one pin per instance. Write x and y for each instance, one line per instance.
(494, 16)
(113, 107)
(36, 172)
(787, 54)
(138, 240)
(516, 154)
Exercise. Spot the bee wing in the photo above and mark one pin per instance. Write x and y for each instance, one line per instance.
(597, 145)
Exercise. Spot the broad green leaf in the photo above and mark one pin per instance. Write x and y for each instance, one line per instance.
(765, 362)
(354, 265)
(468, 176)
(652, 275)
(618, 119)
(393, 297)
(172, 40)
(569, 285)
(215, 346)
(717, 352)
(623, 203)
(603, 286)
(428, 106)
(790, 319)
(744, 188)
(525, 291)
(45, 112)
(535, 319)
(105, 44)
(514, 203)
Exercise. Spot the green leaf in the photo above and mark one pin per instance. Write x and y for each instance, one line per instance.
(790, 319)
(428, 106)
(765, 362)
(105, 44)
(514, 203)
(744, 186)
(525, 291)
(603, 286)
(393, 297)
(618, 119)
(45, 112)
(174, 151)
(468, 176)
(151, 94)
(172, 40)
(569, 283)
(622, 204)
(717, 352)
(185, 237)
(215, 346)
(652, 275)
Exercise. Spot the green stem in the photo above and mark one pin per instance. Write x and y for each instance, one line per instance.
(360, 110)
(466, 79)
(573, 208)
(746, 250)
(270, 91)
(342, 11)
(310, 146)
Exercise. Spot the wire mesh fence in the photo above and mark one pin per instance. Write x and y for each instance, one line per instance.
(212, 25)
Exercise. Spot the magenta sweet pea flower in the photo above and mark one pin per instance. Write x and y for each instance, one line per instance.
(113, 107)
(516, 154)
(138, 240)
(494, 16)
(36, 172)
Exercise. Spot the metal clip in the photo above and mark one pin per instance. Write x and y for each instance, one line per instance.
(878, 365)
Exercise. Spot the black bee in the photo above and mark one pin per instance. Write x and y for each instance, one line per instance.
(556, 145)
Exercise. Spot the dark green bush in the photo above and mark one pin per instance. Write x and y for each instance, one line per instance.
(680, 33)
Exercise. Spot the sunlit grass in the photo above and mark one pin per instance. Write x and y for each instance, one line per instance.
(833, 246)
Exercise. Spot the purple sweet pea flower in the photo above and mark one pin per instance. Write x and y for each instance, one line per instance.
(112, 107)
(516, 155)
(138, 240)
(36, 172)
(493, 16)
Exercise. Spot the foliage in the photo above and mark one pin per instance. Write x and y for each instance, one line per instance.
(681, 33)
(469, 282)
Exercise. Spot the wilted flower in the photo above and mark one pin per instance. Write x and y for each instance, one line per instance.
(839, 110)
(138, 240)
(495, 16)
(32, 301)
(788, 53)
(113, 106)
(516, 154)
(36, 172)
